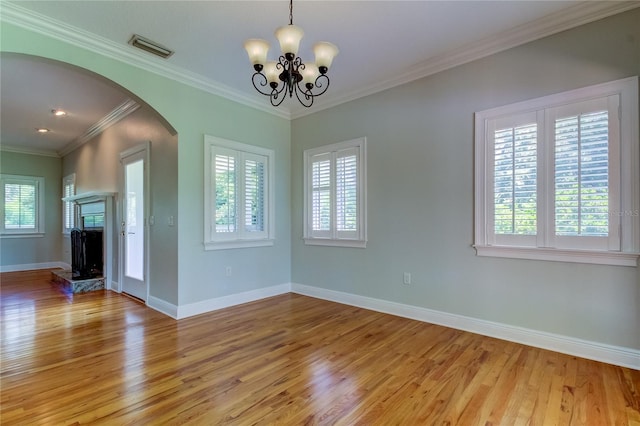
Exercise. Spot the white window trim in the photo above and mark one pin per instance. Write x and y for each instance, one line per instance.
(71, 178)
(39, 229)
(213, 241)
(360, 241)
(629, 214)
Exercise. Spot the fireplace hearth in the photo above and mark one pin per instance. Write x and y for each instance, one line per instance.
(73, 285)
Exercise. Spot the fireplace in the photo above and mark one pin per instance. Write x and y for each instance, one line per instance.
(91, 244)
(86, 253)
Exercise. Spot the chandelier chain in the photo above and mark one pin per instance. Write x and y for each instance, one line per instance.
(290, 12)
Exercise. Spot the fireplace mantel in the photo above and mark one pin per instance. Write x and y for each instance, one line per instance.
(89, 197)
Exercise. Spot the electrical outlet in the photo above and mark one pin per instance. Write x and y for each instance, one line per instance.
(406, 278)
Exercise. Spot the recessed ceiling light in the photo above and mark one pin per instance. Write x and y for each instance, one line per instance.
(42, 130)
(58, 112)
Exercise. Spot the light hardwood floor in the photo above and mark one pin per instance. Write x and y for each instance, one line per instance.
(102, 358)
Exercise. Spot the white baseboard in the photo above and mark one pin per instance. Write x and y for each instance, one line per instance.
(197, 308)
(33, 266)
(622, 356)
(163, 306)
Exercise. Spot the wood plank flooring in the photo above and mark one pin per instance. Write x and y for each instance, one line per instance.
(102, 358)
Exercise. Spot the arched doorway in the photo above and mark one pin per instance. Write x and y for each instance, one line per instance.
(103, 119)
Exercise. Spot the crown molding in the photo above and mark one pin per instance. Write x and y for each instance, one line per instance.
(42, 24)
(574, 16)
(29, 151)
(117, 114)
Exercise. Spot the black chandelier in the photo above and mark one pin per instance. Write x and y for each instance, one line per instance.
(290, 75)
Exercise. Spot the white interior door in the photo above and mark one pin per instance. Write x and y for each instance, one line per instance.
(133, 224)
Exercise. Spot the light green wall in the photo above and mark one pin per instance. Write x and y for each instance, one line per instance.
(32, 250)
(194, 113)
(420, 194)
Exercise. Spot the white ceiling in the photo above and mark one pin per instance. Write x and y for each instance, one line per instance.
(382, 44)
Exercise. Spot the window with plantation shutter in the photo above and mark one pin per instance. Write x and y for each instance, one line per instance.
(68, 207)
(239, 200)
(22, 205)
(555, 177)
(335, 182)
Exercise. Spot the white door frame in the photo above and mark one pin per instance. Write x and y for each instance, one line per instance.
(146, 148)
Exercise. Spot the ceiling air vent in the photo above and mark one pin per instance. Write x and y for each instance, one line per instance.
(150, 46)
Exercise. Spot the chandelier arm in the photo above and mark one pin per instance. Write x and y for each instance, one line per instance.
(274, 98)
(259, 81)
(262, 82)
(275, 93)
(322, 83)
(306, 99)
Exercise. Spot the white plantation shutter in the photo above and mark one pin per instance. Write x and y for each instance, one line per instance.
(225, 187)
(321, 195)
(584, 191)
(515, 179)
(22, 197)
(347, 193)
(68, 207)
(254, 193)
(513, 183)
(20, 205)
(582, 175)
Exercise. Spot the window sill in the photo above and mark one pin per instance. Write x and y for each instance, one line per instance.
(335, 242)
(23, 235)
(560, 255)
(235, 244)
